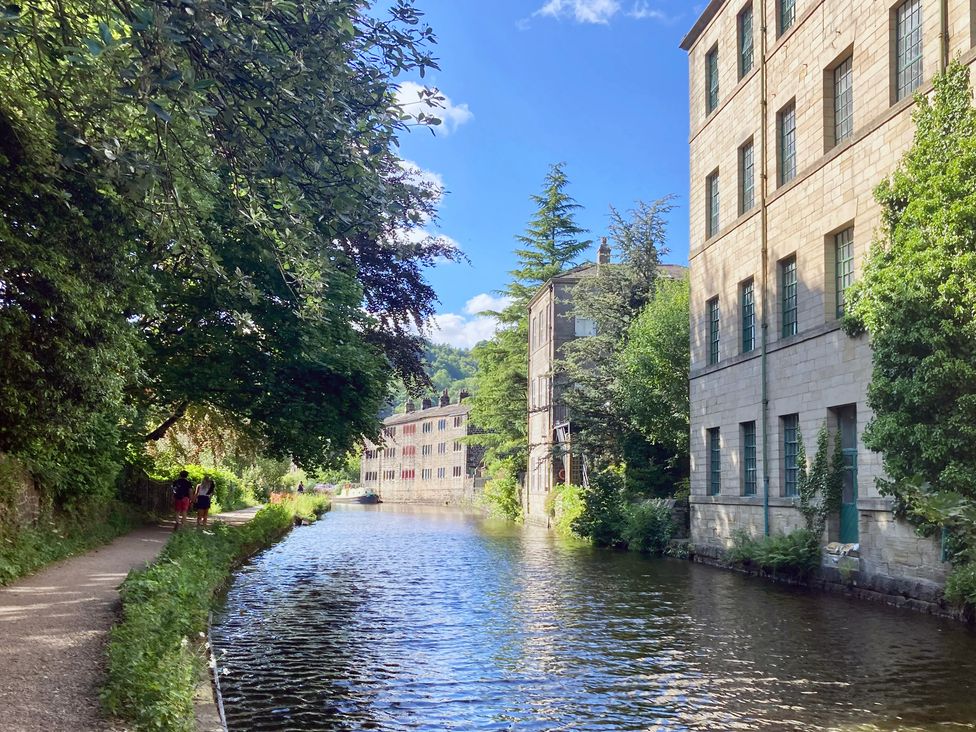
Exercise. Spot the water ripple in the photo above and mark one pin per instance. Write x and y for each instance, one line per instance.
(395, 619)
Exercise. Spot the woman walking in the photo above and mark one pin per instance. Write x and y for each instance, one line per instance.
(202, 498)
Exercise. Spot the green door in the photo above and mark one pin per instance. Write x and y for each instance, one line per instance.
(847, 417)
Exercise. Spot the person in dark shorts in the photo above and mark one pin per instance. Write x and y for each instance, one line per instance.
(202, 498)
(301, 486)
(181, 498)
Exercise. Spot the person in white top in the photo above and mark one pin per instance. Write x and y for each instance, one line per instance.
(202, 497)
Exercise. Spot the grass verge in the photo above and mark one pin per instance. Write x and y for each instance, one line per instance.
(154, 659)
(60, 536)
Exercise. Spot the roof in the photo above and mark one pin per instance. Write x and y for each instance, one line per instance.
(711, 10)
(672, 271)
(419, 415)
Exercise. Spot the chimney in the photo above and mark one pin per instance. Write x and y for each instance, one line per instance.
(462, 395)
(426, 403)
(603, 256)
(445, 399)
(411, 407)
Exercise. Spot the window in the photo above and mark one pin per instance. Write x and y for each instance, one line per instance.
(426, 449)
(788, 277)
(457, 471)
(457, 446)
(745, 41)
(410, 429)
(711, 80)
(370, 476)
(428, 426)
(459, 421)
(786, 123)
(391, 452)
(441, 472)
(787, 14)
(843, 101)
(908, 48)
(748, 301)
(441, 425)
(533, 402)
(843, 265)
(713, 332)
(389, 475)
(747, 177)
(748, 458)
(410, 451)
(711, 205)
(441, 448)
(408, 474)
(714, 462)
(791, 442)
(389, 431)
(585, 327)
(426, 473)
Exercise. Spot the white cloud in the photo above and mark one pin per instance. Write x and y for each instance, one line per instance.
(485, 302)
(415, 99)
(642, 10)
(424, 176)
(583, 11)
(460, 331)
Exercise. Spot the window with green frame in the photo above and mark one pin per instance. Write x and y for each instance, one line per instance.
(711, 202)
(843, 265)
(908, 48)
(713, 330)
(711, 80)
(786, 15)
(714, 461)
(791, 444)
(788, 294)
(745, 40)
(786, 124)
(748, 306)
(748, 458)
(747, 177)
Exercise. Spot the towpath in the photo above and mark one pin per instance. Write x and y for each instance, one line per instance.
(53, 629)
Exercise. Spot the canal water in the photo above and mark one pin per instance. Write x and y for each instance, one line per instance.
(399, 618)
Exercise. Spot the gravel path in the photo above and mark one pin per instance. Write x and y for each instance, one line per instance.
(53, 630)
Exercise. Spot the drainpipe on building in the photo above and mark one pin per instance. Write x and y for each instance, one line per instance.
(764, 329)
(943, 35)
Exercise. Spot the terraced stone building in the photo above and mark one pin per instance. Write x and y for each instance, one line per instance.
(424, 458)
(798, 109)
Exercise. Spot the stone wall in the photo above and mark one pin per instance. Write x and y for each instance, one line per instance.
(20, 496)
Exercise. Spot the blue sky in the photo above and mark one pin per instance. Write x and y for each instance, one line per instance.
(600, 85)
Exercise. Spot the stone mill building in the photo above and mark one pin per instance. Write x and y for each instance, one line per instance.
(798, 109)
(424, 458)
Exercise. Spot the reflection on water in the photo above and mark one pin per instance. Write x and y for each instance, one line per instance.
(397, 618)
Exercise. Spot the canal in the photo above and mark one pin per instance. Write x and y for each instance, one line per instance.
(399, 618)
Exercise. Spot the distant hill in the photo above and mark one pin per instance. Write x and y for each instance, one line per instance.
(448, 367)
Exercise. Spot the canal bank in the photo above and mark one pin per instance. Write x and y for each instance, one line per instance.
(395, 617)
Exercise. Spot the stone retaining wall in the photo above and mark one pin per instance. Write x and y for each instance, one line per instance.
(20, 495)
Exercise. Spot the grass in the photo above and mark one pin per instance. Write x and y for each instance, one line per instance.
(63, 535)
(154, 659)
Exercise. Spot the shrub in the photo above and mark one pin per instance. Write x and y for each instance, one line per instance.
(230, 491)
(648, 526)
(153, 666)
(797, 552)
(565, 505)
(602, 517)
(961, 585)
(501, 492)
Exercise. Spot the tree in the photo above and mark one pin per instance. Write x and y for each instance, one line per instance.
(613, 298)
(654, 367)
(917, 300)
(549, 246)
(207, 208)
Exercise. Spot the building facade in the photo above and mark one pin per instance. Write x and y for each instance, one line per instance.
(552, 324)
(424, 457)
(799, 108)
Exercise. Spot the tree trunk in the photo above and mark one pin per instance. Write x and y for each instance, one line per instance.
(160, 432)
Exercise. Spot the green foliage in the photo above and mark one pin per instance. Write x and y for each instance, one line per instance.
(230, 491)
(549, 246)
(60, 535)
(206, 209)
(653, 387)
(796, 553)
(502, 491)
(153, 660)
(604, 512)
(648, 526)
(565, 505)
(917, 301)
(449, 368)
(820, 486)
(961, 585)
